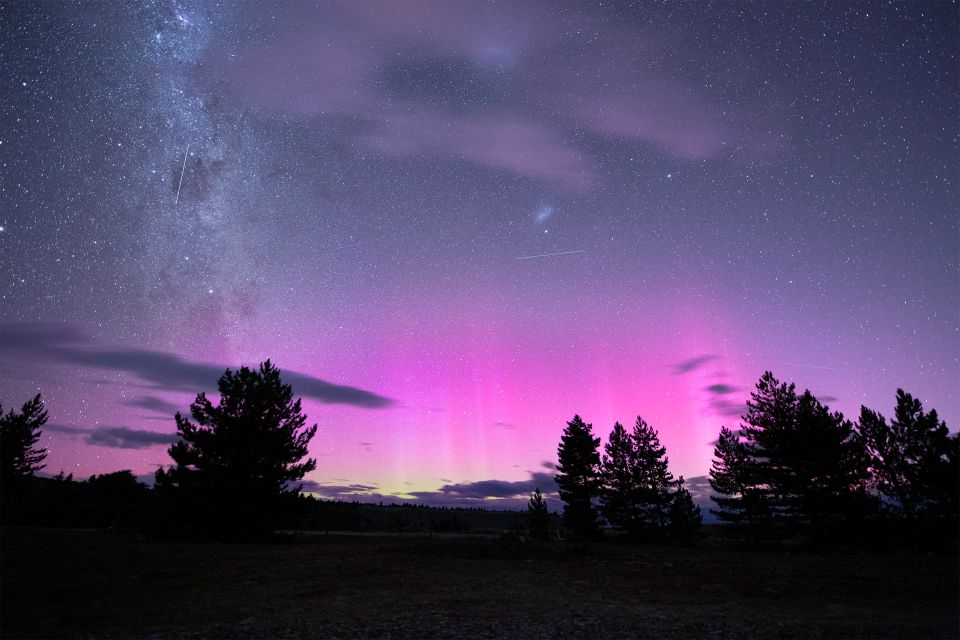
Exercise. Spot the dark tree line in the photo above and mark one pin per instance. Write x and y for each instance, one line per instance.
(112, 500)
(629, 486)
(795, 464)
(792, 465)
(236, 465)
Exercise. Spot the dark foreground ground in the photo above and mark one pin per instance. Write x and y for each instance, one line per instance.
(57, 583)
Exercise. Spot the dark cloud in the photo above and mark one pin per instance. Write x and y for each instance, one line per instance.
(16, 336)
(501, 494)
(723, 407)
(339, 491)
(331, 393)
(720, 402)
(65, 344)
(62, 428)
(153, 403)
(700, 489)
(686, 366)
(721, 389)
(125, 438)
(115, 437)
(487, 489)
(699, 486)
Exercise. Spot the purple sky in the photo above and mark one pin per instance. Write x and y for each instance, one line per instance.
(453, 225)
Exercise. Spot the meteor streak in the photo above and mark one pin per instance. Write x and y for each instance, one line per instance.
(182, 169)
(547, 255)
(810, 366)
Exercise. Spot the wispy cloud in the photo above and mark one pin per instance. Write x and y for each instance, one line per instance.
(389, 72)
(115, 437)
(686, 366)
(153, 403)
(66, 344)
(727, 408)
(346, 491)
(721, 389)
(125, 438)
(501, 494)
(700, 490)
(494, 489)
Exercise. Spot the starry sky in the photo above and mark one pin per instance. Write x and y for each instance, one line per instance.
(453, 225)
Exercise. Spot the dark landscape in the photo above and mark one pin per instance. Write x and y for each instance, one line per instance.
(83, 584)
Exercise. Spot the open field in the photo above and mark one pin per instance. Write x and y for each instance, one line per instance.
(58, 583)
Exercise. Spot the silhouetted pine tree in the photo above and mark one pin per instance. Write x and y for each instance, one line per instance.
(733, 490)
(770, 420)
(913, 459)
(652, 478)
(618, 495)
(830, 467)
(578, 477)
(19, 432)
(236, 460)
(684, 516)
(804, 457)
(538, 517)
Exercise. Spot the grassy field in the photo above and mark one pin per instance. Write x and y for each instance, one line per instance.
(58, 583)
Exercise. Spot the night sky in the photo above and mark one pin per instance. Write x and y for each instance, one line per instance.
(453, 225)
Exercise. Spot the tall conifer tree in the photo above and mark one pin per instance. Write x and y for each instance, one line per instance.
(577, 477)
(803, 462)
(729, 479)
(618, 497)
(913, 459)
(768, 426)
(19, 433)
(654, 482)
